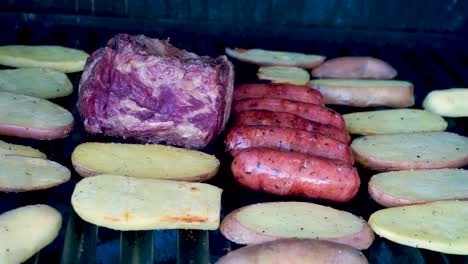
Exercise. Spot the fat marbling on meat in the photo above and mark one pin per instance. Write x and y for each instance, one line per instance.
(144, 88)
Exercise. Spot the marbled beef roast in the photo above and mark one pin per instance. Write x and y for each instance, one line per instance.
(149, 90)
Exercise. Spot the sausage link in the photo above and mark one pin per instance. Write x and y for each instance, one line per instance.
(287, 120)
(311, 112)
(288, 139)
(300, 93)
(293, 173)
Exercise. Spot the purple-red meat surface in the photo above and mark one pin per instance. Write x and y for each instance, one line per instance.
(145, 88)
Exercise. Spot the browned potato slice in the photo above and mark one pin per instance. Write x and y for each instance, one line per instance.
(294, 251)
(126, 203)
(365, 93)
(355, 68)
(265, 222)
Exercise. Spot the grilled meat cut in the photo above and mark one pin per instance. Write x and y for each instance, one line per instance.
(145, 88)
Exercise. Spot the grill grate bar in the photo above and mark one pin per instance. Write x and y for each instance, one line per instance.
(439, 75)
(136, 247)
(80, 241)
(423, 73)
(452, 65)
(463, 55)
(193, 247)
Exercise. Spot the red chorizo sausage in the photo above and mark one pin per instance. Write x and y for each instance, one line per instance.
(288, 139)
(287, 120)
(293, 173)
(312, 112)
(300, 93)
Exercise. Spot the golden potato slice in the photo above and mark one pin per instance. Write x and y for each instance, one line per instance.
(393, 121)
(20, 174)
(265, 222)
(144, 161)
(438, 226)
(26, 230)
(31, 117)
(13, 149)
(397, 188)
(276, 58)
(37, 82)
(280, 74)
(294, 251)
(126, 203)
(426, 150)
(355, 68)
(365, 93)
(451, 102)
(57, 58)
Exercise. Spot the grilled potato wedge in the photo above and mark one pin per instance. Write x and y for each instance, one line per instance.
(26, 230)
(31, 117)
(21, 174)
(280, 74)
(393, 121)
(57, 58)
(144, 161)
(37, 82)
(365, 93)
(126, 203)
(265, 222)
(450, 102)
(397, 188)
(438, 226)
(276, 58)
(427, 150)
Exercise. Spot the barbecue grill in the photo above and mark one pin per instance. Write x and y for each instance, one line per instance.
(424, 40)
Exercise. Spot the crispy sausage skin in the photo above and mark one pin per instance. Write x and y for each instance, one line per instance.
(288, 139)
(287, 120)
(293, 173)
(300, 93)
(311, 112)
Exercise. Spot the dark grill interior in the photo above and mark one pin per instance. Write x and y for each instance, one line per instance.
(431, 60)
